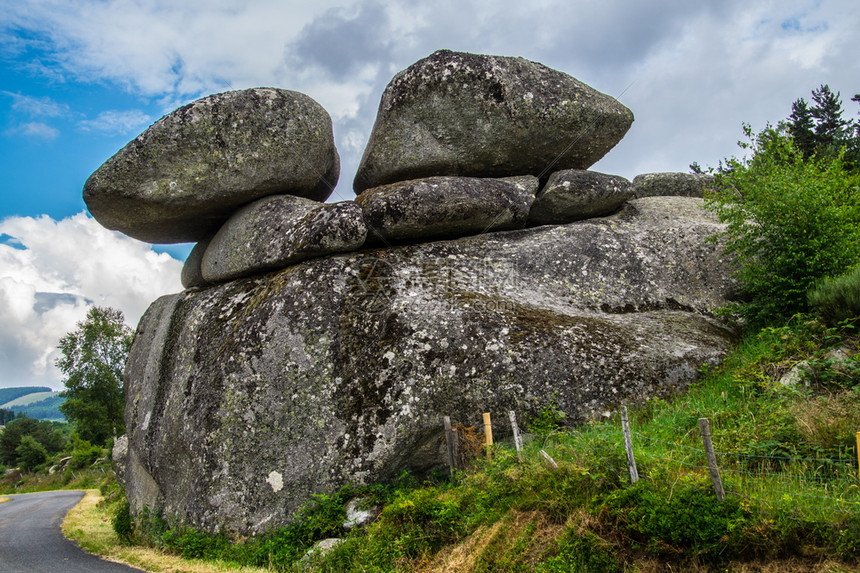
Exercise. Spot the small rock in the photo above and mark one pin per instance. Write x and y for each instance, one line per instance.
(455, 113)
(192, 274)
(671, 184)
(445, 207)
(575, 194)
(321, 548)
(357, 517)
(278, 231)
(119, 457)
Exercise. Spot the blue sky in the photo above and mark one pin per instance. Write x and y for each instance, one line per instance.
(80, 78)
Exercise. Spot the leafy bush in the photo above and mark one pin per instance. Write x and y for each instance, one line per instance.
(31, 453)
(123, 524)
(837, 299)
(790, 222)
(84, 454)
(688, 516)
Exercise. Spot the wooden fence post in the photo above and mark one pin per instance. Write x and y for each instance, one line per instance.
(705, 428)
(450, 439)
(549, 459)
(488, 430)
(858, 453)
(628, 446)
(518, 443)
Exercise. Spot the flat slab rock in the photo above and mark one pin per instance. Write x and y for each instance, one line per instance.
(244, 399)
(184, 176)
(272, 233)
(445, 207)
(455, 113)
(671, 184)
(574, 194)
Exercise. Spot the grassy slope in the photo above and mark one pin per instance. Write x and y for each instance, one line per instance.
(10, 394)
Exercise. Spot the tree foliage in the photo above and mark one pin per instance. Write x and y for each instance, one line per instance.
(31, 453)
(93, 359)
(821, 129)
(790, 221)
(43, 432)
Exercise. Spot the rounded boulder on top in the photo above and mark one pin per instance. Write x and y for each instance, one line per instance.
(455, 113)
(179, 180)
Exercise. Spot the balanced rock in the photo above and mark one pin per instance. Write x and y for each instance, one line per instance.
(671, 184)
(278, 231)
(246, 398)
(575, 194)
(454, 113)
(446, 207)
(184, 176)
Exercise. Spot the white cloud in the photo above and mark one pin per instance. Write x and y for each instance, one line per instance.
(51, 271)
(117, 122)
(34, 129)
(37, 106)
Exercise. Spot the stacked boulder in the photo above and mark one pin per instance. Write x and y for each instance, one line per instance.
(503, 275)
(462, 141)
(243, 172)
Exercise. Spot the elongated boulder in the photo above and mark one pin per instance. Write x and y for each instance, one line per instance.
(670, 184)
(446, 207)
(278, 231)
(184, 176)
(455, 113)
(575, 194)
(244, 399)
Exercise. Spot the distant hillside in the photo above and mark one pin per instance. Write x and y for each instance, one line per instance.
(9, 394)
(46, 409)
(41, 404)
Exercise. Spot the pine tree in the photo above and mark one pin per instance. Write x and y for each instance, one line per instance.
(800, 127)
(831, 131)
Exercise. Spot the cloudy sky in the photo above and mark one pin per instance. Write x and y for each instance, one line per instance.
(80, 78)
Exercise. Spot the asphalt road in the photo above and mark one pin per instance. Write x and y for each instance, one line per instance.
(31, 540)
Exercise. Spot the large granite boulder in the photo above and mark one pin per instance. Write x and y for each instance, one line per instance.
(185, 175)
(446, 207)
(245, 398)
(278, 231)
(670, 184)
(575, 194)
(455, 113)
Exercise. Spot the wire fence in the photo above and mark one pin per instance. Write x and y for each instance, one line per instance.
(823, 489)
(802, 487)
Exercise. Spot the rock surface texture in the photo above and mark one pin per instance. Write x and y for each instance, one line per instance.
(280, 230)
(184, 176)
(446, 207)
(245, 398)
(671, 184)
(454, 113)
(575, 194)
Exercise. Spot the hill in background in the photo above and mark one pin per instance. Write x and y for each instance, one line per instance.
(38, 402)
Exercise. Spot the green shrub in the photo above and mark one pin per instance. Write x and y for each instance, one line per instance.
(84, 454)
(790, 223)
(686, 516)
(581, 552)
(122, 523)
(31, 453)
(837, 299)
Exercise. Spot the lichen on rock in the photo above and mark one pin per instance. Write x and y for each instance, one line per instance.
(245, 398)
